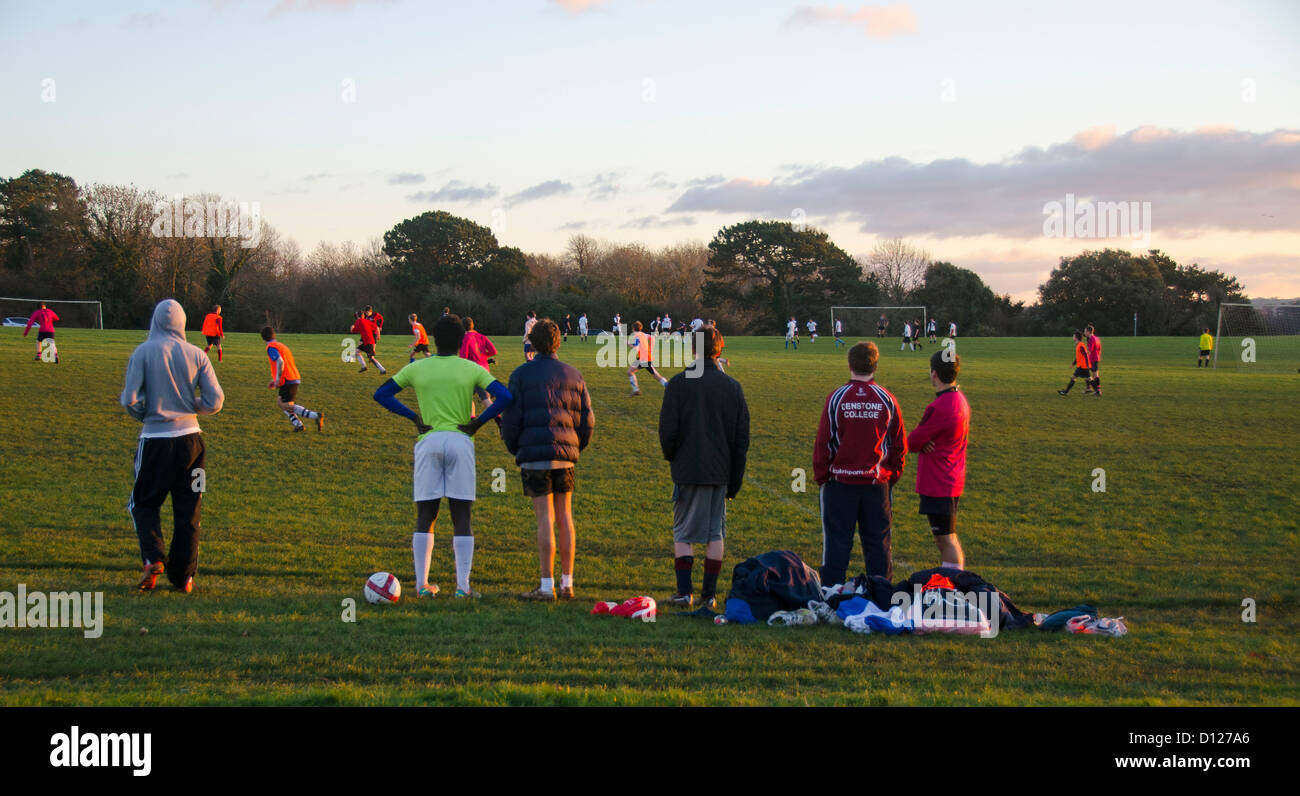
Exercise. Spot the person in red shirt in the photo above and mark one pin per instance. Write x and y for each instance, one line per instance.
(421, 342)
(285, 376)
(1081, 370)
(44, 319)
(859, 455)
(477, 348)
(941, 462)
(377, 320)
(214, 330)
(1094, 360)
(369, 335)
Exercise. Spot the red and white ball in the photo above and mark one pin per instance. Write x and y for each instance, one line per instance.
(382, 588)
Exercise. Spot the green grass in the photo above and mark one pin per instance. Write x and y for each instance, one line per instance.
(1199, 513)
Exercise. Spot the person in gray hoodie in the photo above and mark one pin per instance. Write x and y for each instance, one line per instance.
(162, 378)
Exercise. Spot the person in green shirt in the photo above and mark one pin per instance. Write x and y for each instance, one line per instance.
(444, 451)
(1207, 345)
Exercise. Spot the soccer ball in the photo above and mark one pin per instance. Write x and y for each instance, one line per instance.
(383, 587)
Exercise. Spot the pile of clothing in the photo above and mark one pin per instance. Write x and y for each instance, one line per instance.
(780, 589)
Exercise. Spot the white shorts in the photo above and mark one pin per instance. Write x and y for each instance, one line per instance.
(444, 466)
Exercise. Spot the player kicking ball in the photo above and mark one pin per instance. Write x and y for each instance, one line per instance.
(369, 332)
(444, 451)
(285, 377)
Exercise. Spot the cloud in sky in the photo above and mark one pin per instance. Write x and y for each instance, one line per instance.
(541, 190)
(572, 226)
(405, 178)
(658, 222)
(578, 6)
(878, 22)
(456, 191)
(603, 186)
(1213, 178)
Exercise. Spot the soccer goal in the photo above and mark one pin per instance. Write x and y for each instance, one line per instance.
(1263, 335)
(866, 321)
(84, 314)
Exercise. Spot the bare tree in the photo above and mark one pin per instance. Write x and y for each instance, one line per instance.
(899, 267)
(583, 250)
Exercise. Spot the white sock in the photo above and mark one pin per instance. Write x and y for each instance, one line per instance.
(950, 565)
(663, 382)
(303, 411)
(548, 585)
(566, 581)
(632, 379)
(464, 547)
(422, 550)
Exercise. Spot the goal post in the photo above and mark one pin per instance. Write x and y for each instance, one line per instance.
(864, 321)
(93, 310)
(1261, 335)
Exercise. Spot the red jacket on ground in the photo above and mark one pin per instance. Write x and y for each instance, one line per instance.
(860, 439)
(946, 423)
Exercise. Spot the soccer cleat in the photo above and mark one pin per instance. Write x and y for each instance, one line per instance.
(363, 369)
(680, 600)
(187, 587)
(708, 602)
(299, 427)
(566, 593)
(538, 595)
(471, 594)
(151, 573)
(427, 590)
(1061, 392)
(320, 421)
(636, 392)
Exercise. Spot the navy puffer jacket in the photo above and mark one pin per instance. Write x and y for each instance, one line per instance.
(550, 418)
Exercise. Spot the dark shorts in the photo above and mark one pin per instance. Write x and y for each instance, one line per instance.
(44, 336)
(421, 347)
(938, 505)
(289, 392)
(1082, 373)
(367, 348)
(538, 483)
(213, 340)
(1205, 352)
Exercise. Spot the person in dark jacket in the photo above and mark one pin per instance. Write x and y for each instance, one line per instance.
(546, 427)
(704, 432)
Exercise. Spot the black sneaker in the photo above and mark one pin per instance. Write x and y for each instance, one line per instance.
(708, 602)
(1061, 392)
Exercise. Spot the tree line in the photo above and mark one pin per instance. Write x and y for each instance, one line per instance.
(59, 240)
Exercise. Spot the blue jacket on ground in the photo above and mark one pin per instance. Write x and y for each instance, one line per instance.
(550, 418)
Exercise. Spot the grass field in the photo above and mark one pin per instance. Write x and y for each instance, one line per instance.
(1199, 513)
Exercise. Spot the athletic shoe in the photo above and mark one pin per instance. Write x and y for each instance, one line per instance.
(363, 369)
(634, 392)
(320, 421)
(187, 586)
(461, 594)
(1061, 392)
(538, 595)
(708, 602)
(428, 590)
(679, 600)
(151, 573)
(299, 427)
(566, 593)
(803, 616)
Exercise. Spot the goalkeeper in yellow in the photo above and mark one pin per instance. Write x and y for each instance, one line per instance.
(1207, 346)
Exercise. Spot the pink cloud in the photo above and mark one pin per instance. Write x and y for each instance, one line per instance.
(578, 6)
(878, 22)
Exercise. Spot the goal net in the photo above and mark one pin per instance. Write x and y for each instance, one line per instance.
(866, 322)
(1263, 335)
(83, 314)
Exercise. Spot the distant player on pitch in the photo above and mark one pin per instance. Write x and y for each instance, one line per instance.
(421, 342)
(43, 319)
(365, 327)
(812, 331)
(839, 333)
(792, 333)
(285, 378)
(444, 451)
(1206, 347)
(940, 441)
(214, 330)
(643, 355)
(1081, 370)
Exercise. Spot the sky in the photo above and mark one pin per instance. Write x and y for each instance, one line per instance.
(979, 131)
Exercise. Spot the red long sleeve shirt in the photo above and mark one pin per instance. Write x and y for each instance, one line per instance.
(946, 423)
(366, 328)
(860, 439)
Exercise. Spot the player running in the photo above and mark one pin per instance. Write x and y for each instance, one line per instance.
(839, 333)
(377, 320)
(1207, 347)
(369, 336)
(214, 330)
(1080, 363)
(44, 319)
(444, 451)
(421, 342)
(529, 322)
(644, 346)
(812, 330)
(792, 334)
(285, 377)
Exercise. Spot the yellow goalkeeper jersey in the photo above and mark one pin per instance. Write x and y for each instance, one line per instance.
(1207, 342)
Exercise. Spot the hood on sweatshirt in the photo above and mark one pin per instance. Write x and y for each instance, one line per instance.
(168, 319)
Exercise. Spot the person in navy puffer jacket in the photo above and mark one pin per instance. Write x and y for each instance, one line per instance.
(546, 427)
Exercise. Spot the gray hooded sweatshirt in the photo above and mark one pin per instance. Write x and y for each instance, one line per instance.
(163, 374)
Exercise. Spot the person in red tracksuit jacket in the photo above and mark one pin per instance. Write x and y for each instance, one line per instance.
(941, 462)
(858, 457)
